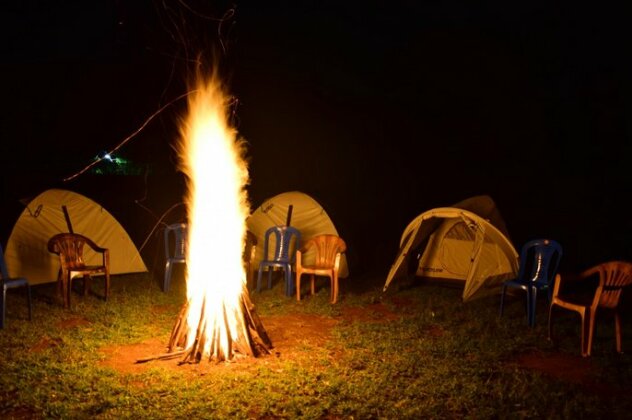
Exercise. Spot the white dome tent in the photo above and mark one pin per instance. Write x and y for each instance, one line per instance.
(27, 254)
(308, 216)
(466, 243)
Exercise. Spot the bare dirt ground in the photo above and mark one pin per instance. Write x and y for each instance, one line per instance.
(291, 333)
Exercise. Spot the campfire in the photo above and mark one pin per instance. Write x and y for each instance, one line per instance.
(218, 320)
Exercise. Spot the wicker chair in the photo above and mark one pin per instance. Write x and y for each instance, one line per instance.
(70, 249)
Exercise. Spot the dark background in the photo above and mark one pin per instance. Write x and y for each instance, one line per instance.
(378, 112)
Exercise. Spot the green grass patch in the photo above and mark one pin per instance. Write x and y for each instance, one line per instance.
(432, 357)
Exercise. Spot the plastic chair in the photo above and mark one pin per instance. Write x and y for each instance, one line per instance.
(329, 249)
(176, 251)
(283, 256)
(11, 283)
(250, 247)
(70, 248)
(539, 261)
(613, 277)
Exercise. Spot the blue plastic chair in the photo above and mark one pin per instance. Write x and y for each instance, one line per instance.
(539, 261)
(11, 283)
(283, 255)
(175, 250)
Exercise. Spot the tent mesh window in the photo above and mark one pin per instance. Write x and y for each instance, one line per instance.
(461, 231)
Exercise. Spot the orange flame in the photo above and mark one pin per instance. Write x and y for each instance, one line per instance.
(212, 159)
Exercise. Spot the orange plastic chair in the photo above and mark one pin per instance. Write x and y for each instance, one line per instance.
(70, 247)
(250, 246)
(329, 249)
(613, 277)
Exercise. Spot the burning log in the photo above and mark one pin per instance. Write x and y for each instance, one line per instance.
(251, 338)
(218, 320)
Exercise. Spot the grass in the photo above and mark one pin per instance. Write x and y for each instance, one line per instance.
(432, 357)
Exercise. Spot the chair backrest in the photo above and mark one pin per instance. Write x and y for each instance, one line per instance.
(177, 249)
(613, 277)
(539, 260)
(283, 243)
(69, 247)
(327, 247)
(249, 246)
(3, 265)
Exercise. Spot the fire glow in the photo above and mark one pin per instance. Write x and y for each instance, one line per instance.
(218, 319)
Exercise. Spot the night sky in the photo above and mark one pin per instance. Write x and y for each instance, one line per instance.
(378, 112)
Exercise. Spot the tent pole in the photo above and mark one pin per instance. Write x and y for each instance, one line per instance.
(67, 217)
(289, 215)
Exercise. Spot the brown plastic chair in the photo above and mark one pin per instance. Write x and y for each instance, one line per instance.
(70, 247)
(327, 263)
(250, 247)
(613, 277)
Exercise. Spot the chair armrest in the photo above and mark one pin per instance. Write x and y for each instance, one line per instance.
(557, 285)
(299, 258)
(307, 246)
(337, 261)
(589, 272)
(52, 247)
(94, 246)
(104, 251)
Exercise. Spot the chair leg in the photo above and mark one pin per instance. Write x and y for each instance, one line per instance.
(107, 284)
(259, 280)
(3, 304)
(312, 280)
(86, 284)
(585, 332)
(551, 322)
(528, 305)
(591, 330)
(30, 301)
(289, 289)
(617, 330)
(292, 281)
(334, 289)
(167, 282)
(62, 284)
(67, 292)
(249, 276)
(532, 306)
(502, 299)
(298, 285)
(270, 277)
